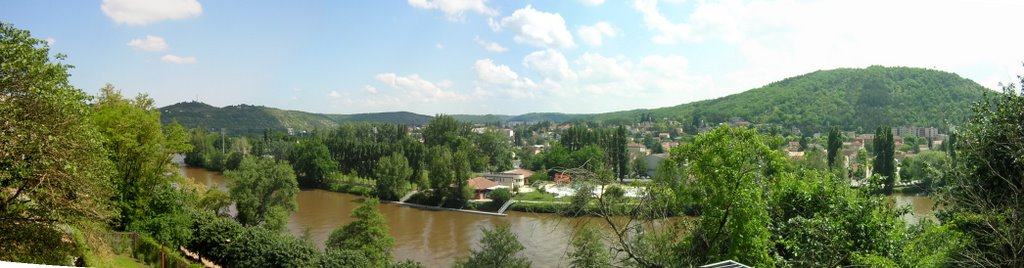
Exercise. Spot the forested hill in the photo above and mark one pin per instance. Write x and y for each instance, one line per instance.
(249, 118)
(849, 98)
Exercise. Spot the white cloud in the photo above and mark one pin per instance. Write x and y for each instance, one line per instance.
(592, 2)
(370, 89)
(490, 46)
(549, 64)
(439, 46)
(178, 60)
(778, 39)
(455, 9)
(593, 35)
(50, 41)
(421, 90)
(537, 28)
(334, 94)
(493, 79)
(137, 13)
(150, 43)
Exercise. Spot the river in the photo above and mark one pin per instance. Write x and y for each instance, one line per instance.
(438, 238)
(434, 238)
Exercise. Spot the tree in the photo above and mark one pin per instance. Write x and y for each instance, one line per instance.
(368, 235)
(312, 163)
(986, 189)
(264, 192)
(260, 247)
(392, 176)
(926, 167)
(734, 166)
(835, 144)
(884, 164)
(587, 250)
(53, 168)
(498, 248)
(619, 154)
(140, 148)
(499, 197)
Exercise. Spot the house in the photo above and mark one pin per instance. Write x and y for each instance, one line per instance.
(664, 136)
(637, 150)
(652, 162)
(525, 172)
(511, 180)
(668, 145)
(482, 186)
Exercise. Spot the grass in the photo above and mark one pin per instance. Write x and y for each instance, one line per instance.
(122, 261)
(535, 196)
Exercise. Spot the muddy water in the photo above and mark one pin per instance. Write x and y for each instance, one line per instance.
(438, 238)
(921, 207)
(434, 238)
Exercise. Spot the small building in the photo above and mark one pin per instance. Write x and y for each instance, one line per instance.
(652, 162)
(511, 180)
(481, 187)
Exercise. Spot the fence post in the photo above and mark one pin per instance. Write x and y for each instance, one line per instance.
(162, 264)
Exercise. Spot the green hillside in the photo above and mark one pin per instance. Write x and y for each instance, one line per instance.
(254, 119)
(849, 98)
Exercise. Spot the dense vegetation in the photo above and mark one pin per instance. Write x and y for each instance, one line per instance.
(853, 99)
(248, 119)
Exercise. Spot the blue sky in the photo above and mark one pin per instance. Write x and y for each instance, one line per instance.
(504, 57)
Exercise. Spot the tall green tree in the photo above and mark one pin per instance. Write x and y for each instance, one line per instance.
(884, 164)
(835, 144)
(392, 176)
(367, 236)
(734, 167)
(54, 170)
(620, 157)
(264, 192)
(587, 250)
(498, 248)
(140, 148)
(986, 189)
(312, 163)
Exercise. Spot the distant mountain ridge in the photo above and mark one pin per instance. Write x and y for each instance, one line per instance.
(850, 98)
(252, 119)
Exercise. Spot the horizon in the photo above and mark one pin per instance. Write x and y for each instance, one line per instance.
(484, 57)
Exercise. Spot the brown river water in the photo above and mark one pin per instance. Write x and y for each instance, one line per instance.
(439, 238)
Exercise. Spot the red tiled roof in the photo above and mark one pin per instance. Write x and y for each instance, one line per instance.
(481, 183)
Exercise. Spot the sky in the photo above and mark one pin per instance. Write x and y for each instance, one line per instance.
(504, 57)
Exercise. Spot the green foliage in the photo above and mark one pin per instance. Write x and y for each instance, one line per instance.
(264, 192)
(587, 250)
(259, 247)
(734, 166)
(986, 189)
(249, 119)
(818, 221)
(167, 218)
(835, 145)
(212, 235)
(367, 236)
(312, 163)
(498, 248)
(216, 201)
(850, 98)
(53, 167)
(153, 253)
(927, 166)
(884, 164)
(392, 175)
(499, 197)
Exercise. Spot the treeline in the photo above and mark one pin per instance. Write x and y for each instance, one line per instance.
(386, 159)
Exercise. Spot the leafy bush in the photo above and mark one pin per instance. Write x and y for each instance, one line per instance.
(500, 196)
